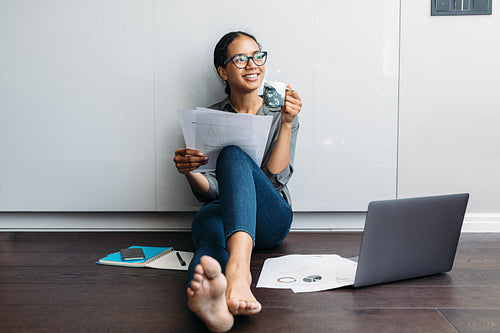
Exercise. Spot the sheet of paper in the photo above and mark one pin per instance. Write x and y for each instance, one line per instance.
(307, 273)
(188, 122)
(210, 130)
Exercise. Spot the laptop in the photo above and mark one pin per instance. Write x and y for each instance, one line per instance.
(409, 238)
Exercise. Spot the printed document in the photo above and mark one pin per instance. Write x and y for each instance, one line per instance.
(307, 273)
(209, 131)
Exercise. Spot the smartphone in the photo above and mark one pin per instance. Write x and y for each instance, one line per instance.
(134, 253)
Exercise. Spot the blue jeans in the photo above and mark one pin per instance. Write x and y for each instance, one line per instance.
(247, 202)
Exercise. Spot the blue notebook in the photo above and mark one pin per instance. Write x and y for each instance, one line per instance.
(154, 257)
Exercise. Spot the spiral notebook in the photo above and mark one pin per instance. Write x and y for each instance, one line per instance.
(154, 257)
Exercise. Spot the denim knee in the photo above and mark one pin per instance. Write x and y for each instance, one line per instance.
(230, 152)
(230, 149)
(231, 156)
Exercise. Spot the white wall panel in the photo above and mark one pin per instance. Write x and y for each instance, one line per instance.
(450, 102)
(76, 106)
(355, 103)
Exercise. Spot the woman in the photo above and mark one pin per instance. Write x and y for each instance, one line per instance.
(246, 205)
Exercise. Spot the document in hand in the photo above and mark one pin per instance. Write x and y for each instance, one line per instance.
(307, 273)
(209, 131)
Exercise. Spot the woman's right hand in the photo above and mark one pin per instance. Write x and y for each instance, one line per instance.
(187, 160)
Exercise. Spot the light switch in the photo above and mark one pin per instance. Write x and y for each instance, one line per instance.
(460, 7)
(482, 5)
(443, 5)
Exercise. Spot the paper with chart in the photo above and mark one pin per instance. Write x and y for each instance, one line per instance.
(307, 273)
(210, 130)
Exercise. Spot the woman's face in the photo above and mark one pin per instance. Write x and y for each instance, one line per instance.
(243, 79)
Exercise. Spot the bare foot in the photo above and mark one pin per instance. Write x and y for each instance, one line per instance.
(206, 296)
(240, 299)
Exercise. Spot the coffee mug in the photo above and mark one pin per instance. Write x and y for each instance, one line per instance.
(274, 94)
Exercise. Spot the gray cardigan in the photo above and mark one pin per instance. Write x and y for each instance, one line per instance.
(279, 180)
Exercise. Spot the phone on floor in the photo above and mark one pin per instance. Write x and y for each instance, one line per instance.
(135, 253)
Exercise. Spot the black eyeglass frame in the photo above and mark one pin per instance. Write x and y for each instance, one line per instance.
(248, 59)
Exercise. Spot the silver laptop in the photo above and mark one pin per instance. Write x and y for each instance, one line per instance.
(409, 238)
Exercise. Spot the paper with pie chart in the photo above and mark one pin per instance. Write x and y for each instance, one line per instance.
(307, 273)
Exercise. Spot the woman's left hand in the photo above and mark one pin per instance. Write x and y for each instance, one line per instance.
(292, 107)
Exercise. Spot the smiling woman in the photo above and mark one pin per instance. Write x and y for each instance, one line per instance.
(246, 205)
(221, 51)
(243, 75)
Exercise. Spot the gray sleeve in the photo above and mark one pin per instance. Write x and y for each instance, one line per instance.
(213, 190)
(281, 179)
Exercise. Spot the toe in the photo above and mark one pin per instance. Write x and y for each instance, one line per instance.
(243, 305)
(211, 267)
(249, 308)
(197, 277)
(195, 285)
(256, 306)
(199, 269)
(233, 305)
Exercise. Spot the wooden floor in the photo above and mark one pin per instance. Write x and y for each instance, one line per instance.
(50, 283)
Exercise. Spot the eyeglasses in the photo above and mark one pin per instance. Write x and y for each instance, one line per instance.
(241, 61)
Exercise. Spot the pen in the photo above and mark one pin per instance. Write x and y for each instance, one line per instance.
(182, 262)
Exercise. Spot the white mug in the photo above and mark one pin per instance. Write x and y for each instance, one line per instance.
(274, 94)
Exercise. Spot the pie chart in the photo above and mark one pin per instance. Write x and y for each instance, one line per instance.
(312, 278)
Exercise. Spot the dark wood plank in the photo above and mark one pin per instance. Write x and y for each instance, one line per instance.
(110, 318)
(333, 319)
(83, 242)
(377, 297)
(474, 320)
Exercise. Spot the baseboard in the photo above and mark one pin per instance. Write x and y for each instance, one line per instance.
(481, 223)
(167, 221)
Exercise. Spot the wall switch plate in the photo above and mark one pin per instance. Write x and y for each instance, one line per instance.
(460, 7)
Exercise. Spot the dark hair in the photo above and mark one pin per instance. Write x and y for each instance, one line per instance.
(220, 51)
